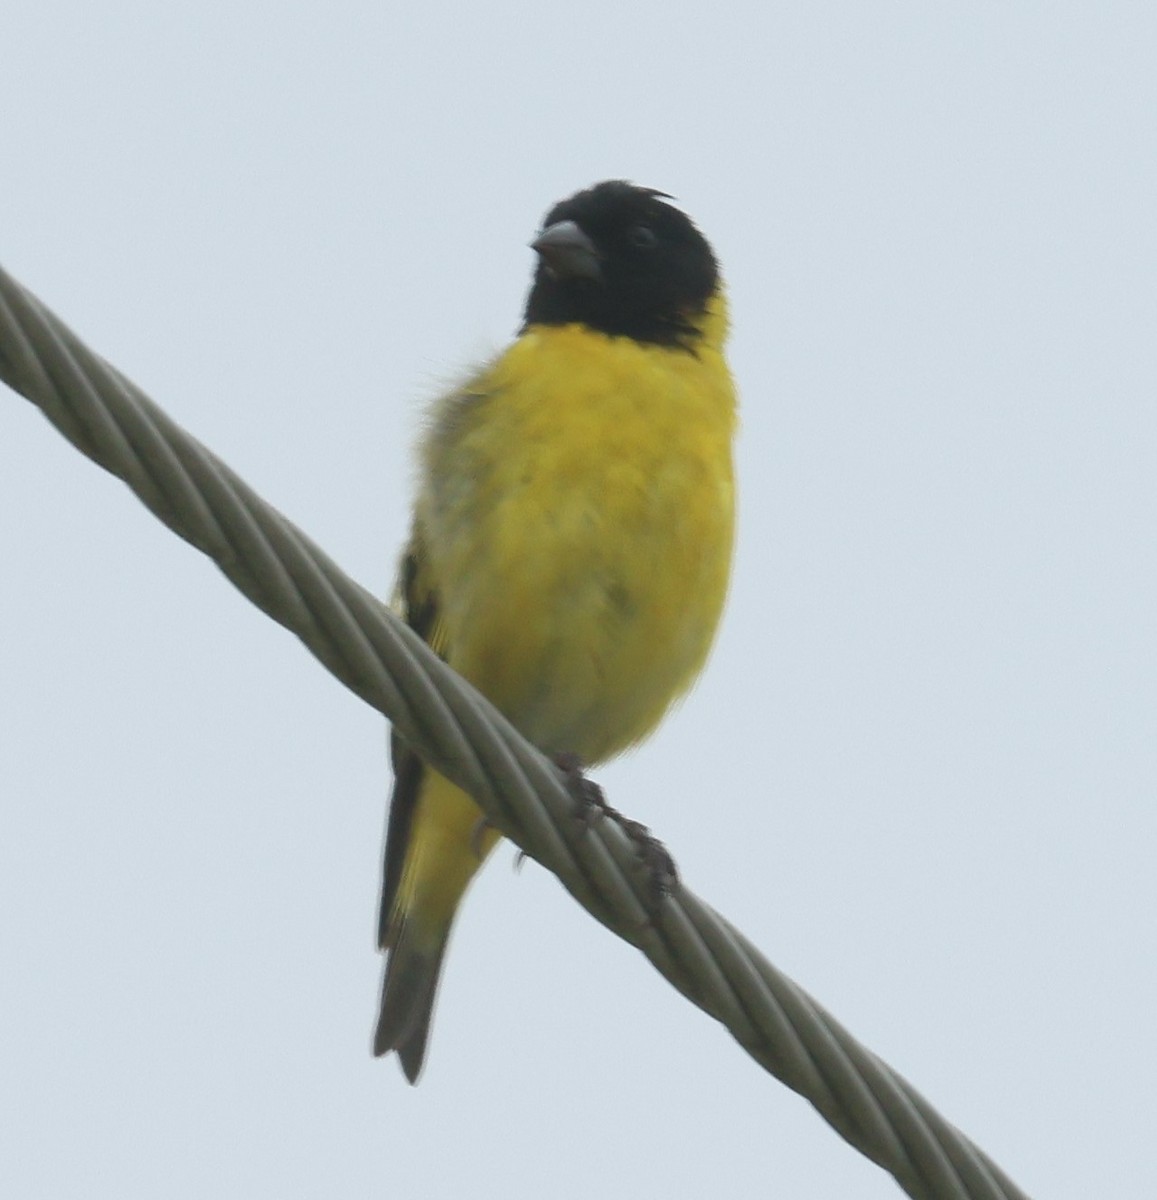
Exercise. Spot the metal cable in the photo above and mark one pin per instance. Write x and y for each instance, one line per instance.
(361, 642)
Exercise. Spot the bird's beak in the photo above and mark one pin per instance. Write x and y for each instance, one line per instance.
(567, 252)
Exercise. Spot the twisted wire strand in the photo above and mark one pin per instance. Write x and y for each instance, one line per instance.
(455, 729)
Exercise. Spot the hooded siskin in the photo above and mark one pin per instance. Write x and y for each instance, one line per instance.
(571, 541)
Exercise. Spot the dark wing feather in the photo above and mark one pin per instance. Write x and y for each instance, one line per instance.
(420, 609)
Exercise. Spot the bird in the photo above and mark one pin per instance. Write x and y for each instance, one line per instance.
(571, 540)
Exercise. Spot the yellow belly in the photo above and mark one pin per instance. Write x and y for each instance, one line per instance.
(577, 515)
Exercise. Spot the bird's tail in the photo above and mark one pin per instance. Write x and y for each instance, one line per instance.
(446, 842)
(411, 984)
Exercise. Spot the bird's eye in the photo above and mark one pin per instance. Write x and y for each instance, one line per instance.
(642, 237)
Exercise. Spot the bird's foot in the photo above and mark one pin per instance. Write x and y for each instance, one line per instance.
(655, 857)
(593, 806)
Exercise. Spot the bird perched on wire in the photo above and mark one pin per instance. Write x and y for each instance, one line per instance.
(571, 540)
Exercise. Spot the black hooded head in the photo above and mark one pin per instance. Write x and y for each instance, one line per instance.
(619, 260)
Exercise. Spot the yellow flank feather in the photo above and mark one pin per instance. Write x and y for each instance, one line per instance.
(572, 542)
(446, 849)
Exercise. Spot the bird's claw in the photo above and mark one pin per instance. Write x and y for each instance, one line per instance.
(593, 806)
(476, 837)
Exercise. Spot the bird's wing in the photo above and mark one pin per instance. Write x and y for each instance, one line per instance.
(419, 604)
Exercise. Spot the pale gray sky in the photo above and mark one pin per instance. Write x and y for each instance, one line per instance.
(921, 769)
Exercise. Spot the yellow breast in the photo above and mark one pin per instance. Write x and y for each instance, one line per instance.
(577, 513)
